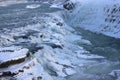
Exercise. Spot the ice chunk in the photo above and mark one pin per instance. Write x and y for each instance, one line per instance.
(86, 55)
(56, 68)
(116, 74)
(70, 71)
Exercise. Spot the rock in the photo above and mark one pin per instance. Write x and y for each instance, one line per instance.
(12, 55)
(59, 24)
(28, 70)
(68, 5)
(34, 72)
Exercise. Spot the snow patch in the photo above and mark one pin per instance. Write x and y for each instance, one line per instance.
(33, 6)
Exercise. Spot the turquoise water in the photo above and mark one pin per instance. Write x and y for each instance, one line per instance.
(101, 44)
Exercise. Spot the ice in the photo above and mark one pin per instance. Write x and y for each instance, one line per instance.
(87, 55)
(116, 74)
(64, 62)
(83, 41)
(56, 68)
(70, 71)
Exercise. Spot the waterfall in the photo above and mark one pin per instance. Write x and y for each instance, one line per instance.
(98, 16)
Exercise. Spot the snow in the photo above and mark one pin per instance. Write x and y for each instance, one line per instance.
(10, 48)
(56, 6)
(89, 56)
(33, 6)
(9, 53)
(36, 70)
(10, 38)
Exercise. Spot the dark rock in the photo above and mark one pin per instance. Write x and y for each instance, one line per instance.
(11, 62)
(59, 24)
(7, 74)
(68, 5)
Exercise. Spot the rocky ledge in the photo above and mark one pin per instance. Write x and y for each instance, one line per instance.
(10, 56)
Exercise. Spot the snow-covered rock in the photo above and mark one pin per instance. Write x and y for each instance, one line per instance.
(12, 55)
(35, 71)
(68, 5)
